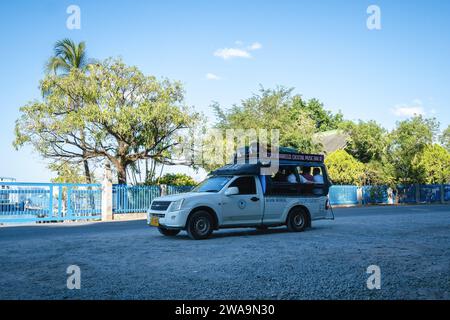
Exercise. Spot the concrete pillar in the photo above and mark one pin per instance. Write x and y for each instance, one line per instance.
(359, 195)
(163, 190)
(107, 210)
(442, 194)
(390, 194)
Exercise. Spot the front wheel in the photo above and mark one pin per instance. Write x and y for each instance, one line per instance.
(297, 220)
(200, 225)
(168, 232)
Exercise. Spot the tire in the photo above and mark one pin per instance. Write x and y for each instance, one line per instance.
(168, 232)
(298, 220)
(200, 225)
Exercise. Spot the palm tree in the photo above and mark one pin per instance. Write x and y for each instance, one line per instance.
(67, 56)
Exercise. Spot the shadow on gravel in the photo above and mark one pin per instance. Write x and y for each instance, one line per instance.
(232, 233)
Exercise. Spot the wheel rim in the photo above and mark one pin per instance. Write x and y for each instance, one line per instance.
(299, 221)
(202, 226)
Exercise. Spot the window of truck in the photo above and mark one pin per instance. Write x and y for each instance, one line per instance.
(291, 180)
(246, 185)
(212, 184)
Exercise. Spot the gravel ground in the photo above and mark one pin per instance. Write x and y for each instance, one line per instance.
(128, 260)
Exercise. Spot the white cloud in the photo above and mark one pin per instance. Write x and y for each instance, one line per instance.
(411, 110)
(255, 46)
(408, 111)
(229, 53)
(212, 76)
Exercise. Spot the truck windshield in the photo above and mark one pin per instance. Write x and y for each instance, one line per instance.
(212, 184)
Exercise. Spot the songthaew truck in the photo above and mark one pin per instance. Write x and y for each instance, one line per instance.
(247, 193)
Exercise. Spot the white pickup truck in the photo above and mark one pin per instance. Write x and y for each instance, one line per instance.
(238, 196)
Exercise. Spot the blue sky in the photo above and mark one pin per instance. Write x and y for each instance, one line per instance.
(321, 48)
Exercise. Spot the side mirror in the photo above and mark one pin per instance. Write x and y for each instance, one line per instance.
(232, 191)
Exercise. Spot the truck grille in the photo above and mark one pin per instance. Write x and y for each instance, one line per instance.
(160, 205)
(159, 215)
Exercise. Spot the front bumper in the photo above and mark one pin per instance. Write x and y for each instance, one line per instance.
(169, 220)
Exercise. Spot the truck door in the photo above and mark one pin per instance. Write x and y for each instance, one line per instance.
(245, 208)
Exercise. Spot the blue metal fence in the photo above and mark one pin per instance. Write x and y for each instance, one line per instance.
(133, 199)
(406, 193)
(343, 195)
(40, 202)
(446, 192)
(178, 189)
(430, 193)
(375, 195)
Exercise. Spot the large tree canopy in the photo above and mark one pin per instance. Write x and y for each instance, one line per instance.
(445, 138)
(367, 140)
(344, 168)
(407, 141)
(112, 112)
(433, 165)
(278, 108)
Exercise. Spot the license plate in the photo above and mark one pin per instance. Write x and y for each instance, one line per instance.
(154, 221)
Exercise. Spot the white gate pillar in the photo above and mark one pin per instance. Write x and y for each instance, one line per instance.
(107, 210)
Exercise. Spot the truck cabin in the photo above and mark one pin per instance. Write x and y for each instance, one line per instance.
(297, 175)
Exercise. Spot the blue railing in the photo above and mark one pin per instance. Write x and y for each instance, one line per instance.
(446, 192)
(430, 193)
(343, 195)
(133, 199)
(30, 202)
(375, 195)
(406, 193)
(178, 189)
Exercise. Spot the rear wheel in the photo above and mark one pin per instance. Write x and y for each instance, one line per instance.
(297, 220)
(168, 232)
(200, 225)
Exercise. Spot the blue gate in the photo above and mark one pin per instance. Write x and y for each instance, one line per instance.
(40, 202)
(133, 199)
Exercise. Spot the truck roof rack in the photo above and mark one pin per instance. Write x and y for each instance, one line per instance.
(261, 154)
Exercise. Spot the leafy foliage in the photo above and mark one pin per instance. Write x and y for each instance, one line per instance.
(112, 112)
(367, 140)
(343, 168)
(445, 138)
(177, 179)
(279, 109)
(405, 142)
(66, 173)
(67, 56)
(433, 165)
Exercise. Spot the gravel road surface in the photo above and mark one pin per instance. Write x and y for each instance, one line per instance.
(128, 260)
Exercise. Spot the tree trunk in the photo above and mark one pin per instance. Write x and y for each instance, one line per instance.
(122, 173)
(87, 171)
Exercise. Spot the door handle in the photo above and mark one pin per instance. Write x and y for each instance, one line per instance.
(254, 199)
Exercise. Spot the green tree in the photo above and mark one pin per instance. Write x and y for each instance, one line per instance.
(344, 168)
(66, 173)
(279, 109)
(409, 139)
(324, 119)
(445, 138)
(433, 165)
(367, 140)
(124, 115)
(177, 179)
(67, 56)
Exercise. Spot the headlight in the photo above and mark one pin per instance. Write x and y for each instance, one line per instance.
(176, 205)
